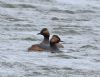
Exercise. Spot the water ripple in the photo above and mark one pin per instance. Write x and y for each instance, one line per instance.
(77, 23)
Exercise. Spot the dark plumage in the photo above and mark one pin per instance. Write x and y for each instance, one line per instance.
(53, 41)
(45, 44)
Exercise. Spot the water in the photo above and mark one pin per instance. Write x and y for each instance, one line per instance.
(75, 21)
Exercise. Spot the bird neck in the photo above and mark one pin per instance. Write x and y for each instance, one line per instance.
(46, 39)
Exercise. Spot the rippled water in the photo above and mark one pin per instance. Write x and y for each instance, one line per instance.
(77, 22)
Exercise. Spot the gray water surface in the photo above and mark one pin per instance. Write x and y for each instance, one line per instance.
(77, 22)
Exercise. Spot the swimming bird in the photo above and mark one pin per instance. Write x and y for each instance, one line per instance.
(44, 45)
(46, 35)
(53, 43)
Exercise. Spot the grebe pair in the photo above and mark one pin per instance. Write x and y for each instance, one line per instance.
(52, 45)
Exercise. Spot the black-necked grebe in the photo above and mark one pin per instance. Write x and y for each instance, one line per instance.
(46, 34)
(53, 43)
(44, 45)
